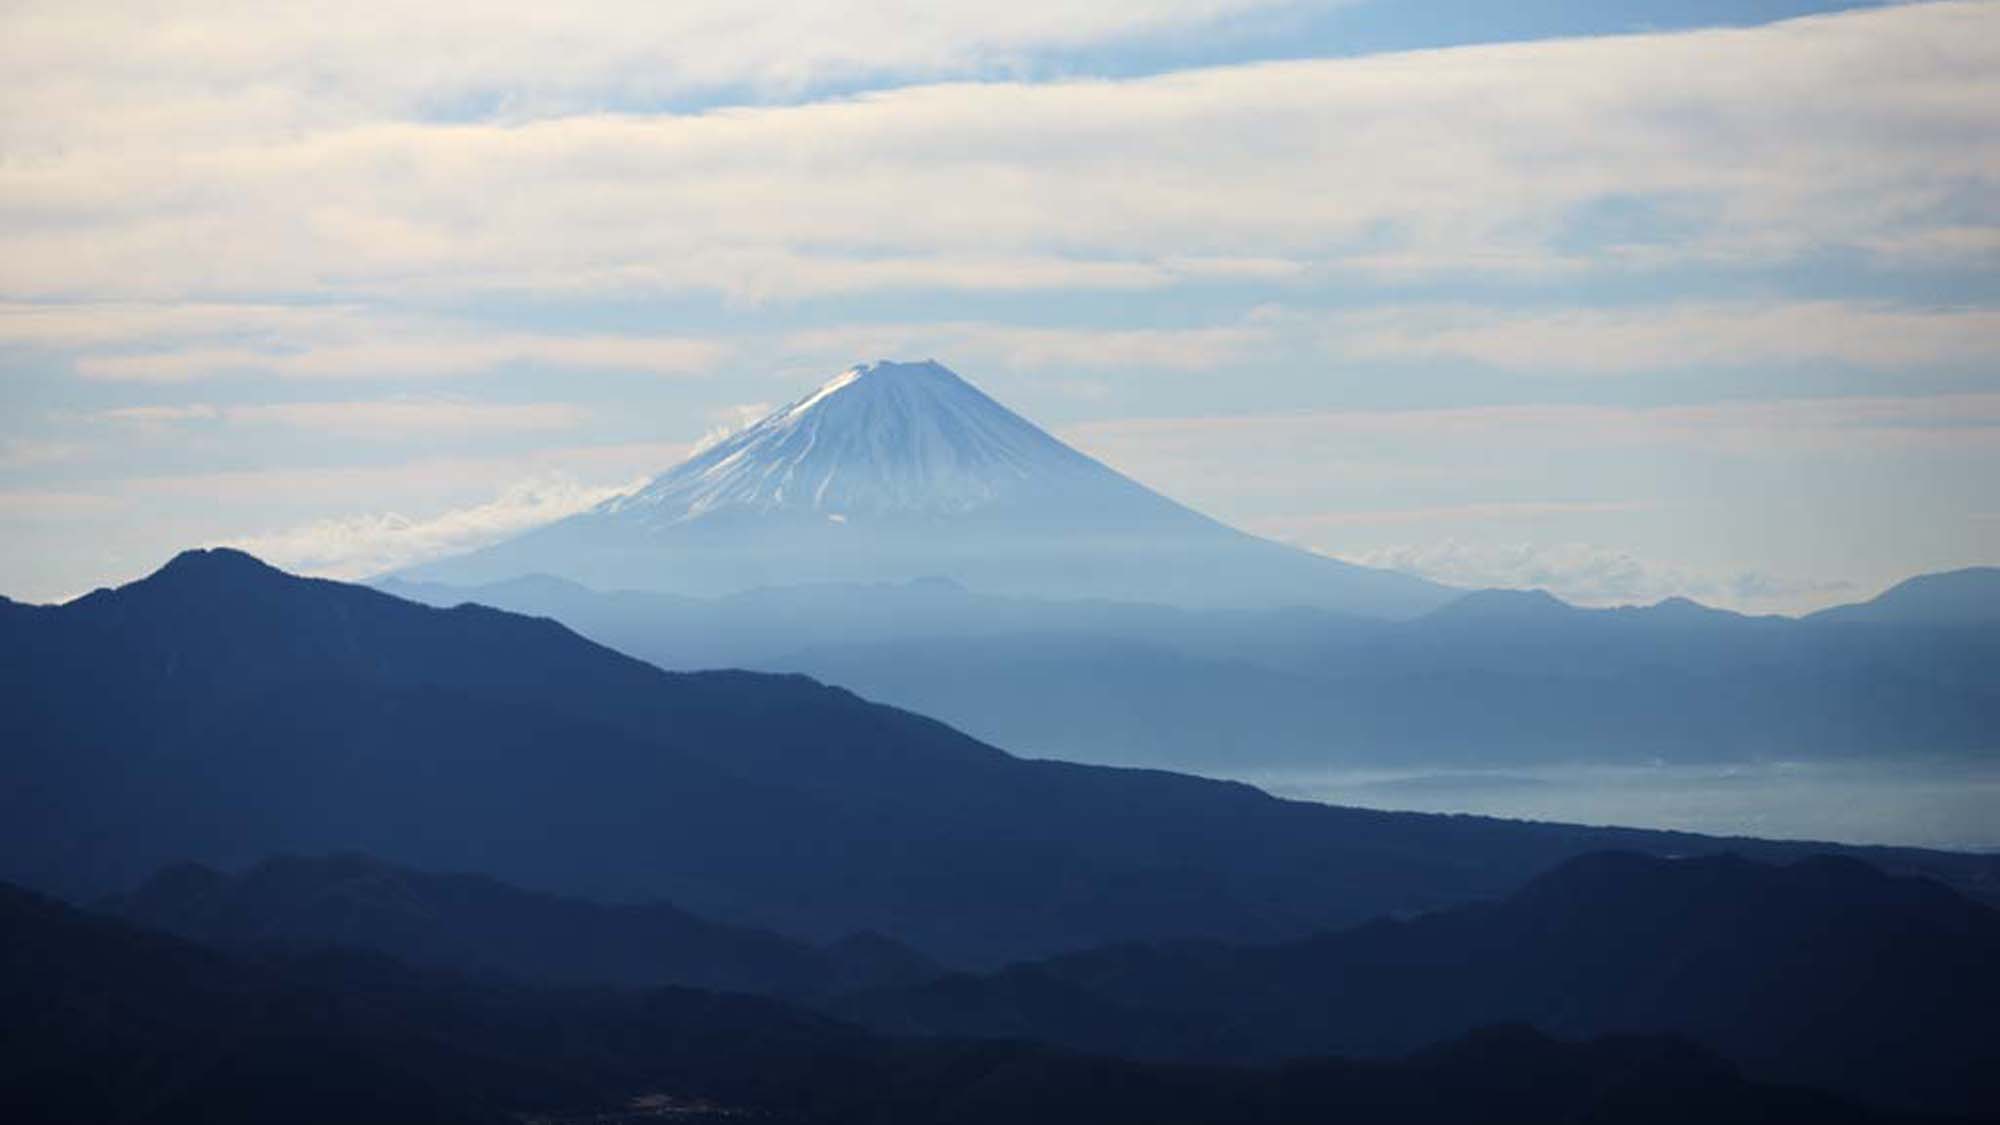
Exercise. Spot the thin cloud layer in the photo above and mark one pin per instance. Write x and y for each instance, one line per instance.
(1028, 347)
(363, 545)
(243, 68)
(1623, 341)
(1868, 132)
(1773, 428)
(394, 419)
(409, 357)
(1596, 575)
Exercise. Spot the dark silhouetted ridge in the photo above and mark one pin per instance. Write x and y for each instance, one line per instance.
(1825, 971)
(217, 563)
(476, 924)
(103, 1022)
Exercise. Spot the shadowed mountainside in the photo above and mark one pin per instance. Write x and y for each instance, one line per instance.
(221, 711)
(103, 1022)
(472, 923)
(1825, 972)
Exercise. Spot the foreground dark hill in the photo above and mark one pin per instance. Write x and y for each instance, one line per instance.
(1824, 972)
(1497, 677)
(103, 1022)
(477, 924)
(221, 711)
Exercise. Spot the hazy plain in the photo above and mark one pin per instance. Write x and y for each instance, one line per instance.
(1924, 802)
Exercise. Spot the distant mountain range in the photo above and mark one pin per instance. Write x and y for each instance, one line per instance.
(220, 711)
(1495, 677)
(892, 472)
(900, 534)
(101, 1021)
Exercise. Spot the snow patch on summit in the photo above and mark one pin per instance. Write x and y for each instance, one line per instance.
(876, 440)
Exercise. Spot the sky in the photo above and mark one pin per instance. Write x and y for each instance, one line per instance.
(1623, 299)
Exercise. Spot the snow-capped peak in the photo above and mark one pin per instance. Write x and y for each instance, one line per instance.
(891, 472)
(877, 439)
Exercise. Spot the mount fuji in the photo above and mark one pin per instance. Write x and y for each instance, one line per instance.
(894, 472)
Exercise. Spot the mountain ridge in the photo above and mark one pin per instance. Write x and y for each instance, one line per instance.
(1823, 971)
(1967, 596)
(104, 1021)
(470, 922)
(223, 711)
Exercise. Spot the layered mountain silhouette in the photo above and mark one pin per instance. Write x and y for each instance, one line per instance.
(899, 471)
(220, 711)
(101, 1021)
(478, 924)
(1824, 972)
(899, 533)
(1495, 677)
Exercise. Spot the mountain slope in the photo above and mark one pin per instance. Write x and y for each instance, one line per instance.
(892, 472)
(103, 1022)
(220, 711)
(1957, 597)
(1824, 972)
(476, 924)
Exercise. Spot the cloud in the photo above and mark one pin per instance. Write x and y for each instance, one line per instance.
(358, 546)
(439, 481)
(15, 453)
(415, 357)
(1864, 478)
(162, 415)
(183, 341)
(93, 324)
(368, 420)
(1597, 341)
(1675, 336)
(1032, 347)
(1297, 526)
(54, 504)
(728, 420)
(1856, 423)
(229, 64)
(1868, 132)
(1597, 575)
